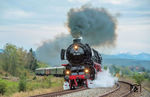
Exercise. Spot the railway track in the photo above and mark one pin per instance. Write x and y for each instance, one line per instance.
(55, 94)
(123, 89)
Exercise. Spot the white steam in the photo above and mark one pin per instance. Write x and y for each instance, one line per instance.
(104, 79)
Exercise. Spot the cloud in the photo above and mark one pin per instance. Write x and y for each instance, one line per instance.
(81, 1)
(29, 35)
(115, 1)
(132, 47)
(145, 12)
(133, 38)
(29, 25)
(11, 14)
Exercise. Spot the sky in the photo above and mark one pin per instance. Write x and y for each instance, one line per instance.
(27, 23)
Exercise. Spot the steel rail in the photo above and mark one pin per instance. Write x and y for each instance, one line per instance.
(125, 94)
(59, 93)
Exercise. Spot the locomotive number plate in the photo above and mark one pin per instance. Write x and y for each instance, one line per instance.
(76, 53)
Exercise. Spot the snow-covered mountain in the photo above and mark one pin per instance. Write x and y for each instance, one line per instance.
(1, 50)
(141, 56)
(142, 60)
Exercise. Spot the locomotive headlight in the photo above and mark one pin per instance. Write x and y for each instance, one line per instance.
(75, 47)
(67, 72)
(86, 70)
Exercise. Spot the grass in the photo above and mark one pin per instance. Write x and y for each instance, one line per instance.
(36, 92)
(146, 85)
(44, 82)
(11, 87)
(146, 88)
(37, 86)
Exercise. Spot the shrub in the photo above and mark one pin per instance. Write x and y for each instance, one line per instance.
(6, 75)
(139, 78)
(2, 88)
(105, 67)
(22, 84)
(34, 78)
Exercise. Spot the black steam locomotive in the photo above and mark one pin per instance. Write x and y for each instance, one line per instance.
(83, 63)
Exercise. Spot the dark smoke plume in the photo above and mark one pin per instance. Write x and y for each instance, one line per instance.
(49, 51)
(95, 25)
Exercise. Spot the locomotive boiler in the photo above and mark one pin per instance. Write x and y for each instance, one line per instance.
(83, 64)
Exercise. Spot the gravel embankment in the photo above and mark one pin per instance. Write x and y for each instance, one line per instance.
(145, 93)
(138, 94)
(90, 92)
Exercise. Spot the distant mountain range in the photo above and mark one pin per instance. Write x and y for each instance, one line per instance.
(141, 56)
(1, 50)
(141, 60)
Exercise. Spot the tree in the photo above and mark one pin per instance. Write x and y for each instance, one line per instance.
(115, 69)
(10, 59)
(139, 78)
(22, 57)
(32, 62)
(42, 65)
(15, 61)
(126, 71)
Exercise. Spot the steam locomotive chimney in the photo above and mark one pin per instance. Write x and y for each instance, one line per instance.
(76, 40)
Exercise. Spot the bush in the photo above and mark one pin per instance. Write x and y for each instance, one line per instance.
(139, 78)
(2, 88)
(105, 67)
(22, 84)
(34, 78)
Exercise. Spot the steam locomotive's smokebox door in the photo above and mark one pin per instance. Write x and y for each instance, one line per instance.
(77, 41)
(63, 51)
